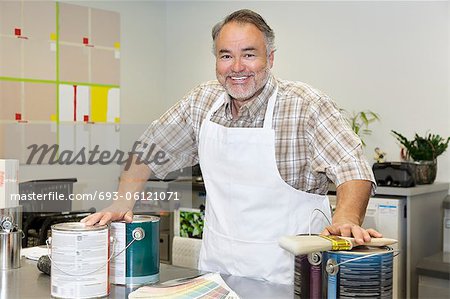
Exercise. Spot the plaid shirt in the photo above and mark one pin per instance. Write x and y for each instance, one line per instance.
(314, 143)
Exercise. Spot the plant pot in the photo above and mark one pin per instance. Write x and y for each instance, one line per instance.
(425, 172)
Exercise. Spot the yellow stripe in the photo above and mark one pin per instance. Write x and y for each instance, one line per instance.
(99, 103)
(338, 243)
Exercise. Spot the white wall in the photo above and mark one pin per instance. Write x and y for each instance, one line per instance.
(389, 57)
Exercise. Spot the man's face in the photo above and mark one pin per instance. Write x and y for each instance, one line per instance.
(242, 65)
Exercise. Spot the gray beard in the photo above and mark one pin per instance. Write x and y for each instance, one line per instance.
(252, 91)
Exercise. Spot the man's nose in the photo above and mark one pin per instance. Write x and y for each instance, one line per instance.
(237, 66)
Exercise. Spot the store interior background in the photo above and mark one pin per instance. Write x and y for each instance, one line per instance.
(388, 57)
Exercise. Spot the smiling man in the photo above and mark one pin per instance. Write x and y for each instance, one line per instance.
(268, 149)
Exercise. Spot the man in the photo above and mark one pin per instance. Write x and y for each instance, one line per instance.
(267, 150)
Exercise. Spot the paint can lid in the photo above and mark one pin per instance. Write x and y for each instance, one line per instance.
(77, 226)
(144, 218)
(365, 250)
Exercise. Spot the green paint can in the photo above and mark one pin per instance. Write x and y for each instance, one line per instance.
(136, 251)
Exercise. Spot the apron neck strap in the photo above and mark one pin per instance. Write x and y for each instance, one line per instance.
(268, 118)
(215, 106)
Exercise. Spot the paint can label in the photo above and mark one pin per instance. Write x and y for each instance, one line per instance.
(80, 263)
(136, 251)
(118, 263)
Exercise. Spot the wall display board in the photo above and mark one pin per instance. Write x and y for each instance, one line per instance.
(59, 76)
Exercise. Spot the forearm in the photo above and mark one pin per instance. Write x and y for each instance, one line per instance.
(132, 180)
(352, 199)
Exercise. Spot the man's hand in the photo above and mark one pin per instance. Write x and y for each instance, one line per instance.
(360, 234)
(114, 212)
(352, 199)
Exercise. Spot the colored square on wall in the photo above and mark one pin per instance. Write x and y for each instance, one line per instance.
(83, 96)
(99, 103)
(74, 63)
(10, 99)
(10, 16)
(10, 56)
(66, 102)
(39, 19)
(39, 60)
(74, 23)
(113, 115)
(102, 35)
(105, 67)
(40, 101)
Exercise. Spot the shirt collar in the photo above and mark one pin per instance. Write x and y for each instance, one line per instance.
(252, 108)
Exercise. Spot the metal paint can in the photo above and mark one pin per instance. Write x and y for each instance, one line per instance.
(136, 251)
(365, 272)
(10, 246)
(80, 260)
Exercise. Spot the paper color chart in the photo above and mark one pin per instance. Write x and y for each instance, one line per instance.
(210, 286)
(59, 65)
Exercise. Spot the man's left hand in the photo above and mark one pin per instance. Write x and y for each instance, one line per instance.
(360, 234)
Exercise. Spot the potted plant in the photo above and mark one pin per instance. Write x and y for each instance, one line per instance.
(424, 151)
(191, 223)
(360, 121)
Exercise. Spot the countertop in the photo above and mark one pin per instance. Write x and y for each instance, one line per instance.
(409, 191)
(195, 185)
(28, 282)
(437, 265)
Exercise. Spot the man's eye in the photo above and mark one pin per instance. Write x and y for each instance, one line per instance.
(249, 55)
(225, 57)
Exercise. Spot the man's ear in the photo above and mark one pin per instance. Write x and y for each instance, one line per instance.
(271, 57)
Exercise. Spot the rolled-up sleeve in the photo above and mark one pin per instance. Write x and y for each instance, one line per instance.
(337, 150)
(169, 143)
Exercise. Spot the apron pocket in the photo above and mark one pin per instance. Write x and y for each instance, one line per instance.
(263, 261)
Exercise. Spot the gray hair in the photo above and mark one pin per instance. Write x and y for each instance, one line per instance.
(246, 16)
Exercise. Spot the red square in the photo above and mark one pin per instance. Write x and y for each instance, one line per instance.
(85, 41)
(86, 117)
(18, 116)
(17, 31)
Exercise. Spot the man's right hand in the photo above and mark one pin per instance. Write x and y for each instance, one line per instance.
(115, 212)
(132, 180)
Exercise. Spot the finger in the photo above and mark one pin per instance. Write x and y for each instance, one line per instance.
(85, 219)
(128, 217)
(358, 234)
(374, 233)
(105, 219)
(366, 235)
(345, 230)
(325, 232)
(333, 230)
(93, 219)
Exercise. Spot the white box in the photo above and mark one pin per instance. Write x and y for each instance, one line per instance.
(446, 225)
(9, 185)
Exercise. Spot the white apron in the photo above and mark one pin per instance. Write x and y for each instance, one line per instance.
(248, 205)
